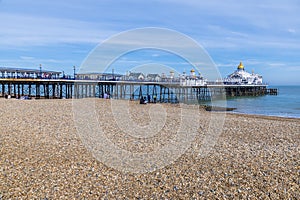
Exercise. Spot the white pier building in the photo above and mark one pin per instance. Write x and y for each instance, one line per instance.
(242, 77)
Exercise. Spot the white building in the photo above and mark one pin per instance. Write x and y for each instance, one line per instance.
(242, 77)
(153, 77)
(192, 79)
(136, 76)
(98, 76)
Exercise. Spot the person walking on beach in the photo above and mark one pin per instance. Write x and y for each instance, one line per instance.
(154, 99)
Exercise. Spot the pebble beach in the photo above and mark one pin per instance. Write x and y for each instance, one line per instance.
(43, 157)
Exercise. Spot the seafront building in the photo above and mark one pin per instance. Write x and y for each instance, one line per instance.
(183, 79)
(242, 77)
(192, 79)
(9, 72)
(238, 77)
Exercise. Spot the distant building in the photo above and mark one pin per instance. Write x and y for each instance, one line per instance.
(10, 72)
(153, 77)
(88, 76)
(242, 77)
(136, 76)
(98, 76)
(192, 79)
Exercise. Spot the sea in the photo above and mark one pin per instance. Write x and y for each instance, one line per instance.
(285, 104)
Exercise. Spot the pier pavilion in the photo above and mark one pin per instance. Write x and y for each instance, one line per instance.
(9, 72)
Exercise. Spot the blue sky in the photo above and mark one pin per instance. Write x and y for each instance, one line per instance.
(264, 34)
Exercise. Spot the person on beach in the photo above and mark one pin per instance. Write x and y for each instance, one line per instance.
(143, 100)
(106, 96)
(154, 99)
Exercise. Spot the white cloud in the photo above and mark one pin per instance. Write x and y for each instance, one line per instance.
(277, 64)
(23, 30)
(232, 31)
(26, 57)
(291, 30)
(230, 28)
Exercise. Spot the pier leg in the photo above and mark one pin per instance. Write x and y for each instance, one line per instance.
(29, 90)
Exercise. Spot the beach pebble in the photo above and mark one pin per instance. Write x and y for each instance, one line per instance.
(43, 157)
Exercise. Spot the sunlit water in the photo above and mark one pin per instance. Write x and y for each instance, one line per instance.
(285, 104)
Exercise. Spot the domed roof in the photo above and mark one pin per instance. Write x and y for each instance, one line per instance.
(241, 66)
(192, 70)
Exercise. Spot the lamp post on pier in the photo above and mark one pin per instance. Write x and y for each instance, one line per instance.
(40, 70)
(74, 69)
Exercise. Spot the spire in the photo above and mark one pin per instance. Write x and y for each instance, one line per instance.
(241, 66)
(193, 72)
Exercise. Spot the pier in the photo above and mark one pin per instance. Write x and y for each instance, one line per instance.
(134, 90)
(43, 84)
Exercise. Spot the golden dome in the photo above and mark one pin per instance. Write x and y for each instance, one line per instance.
(192, 70)
(241, 66)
